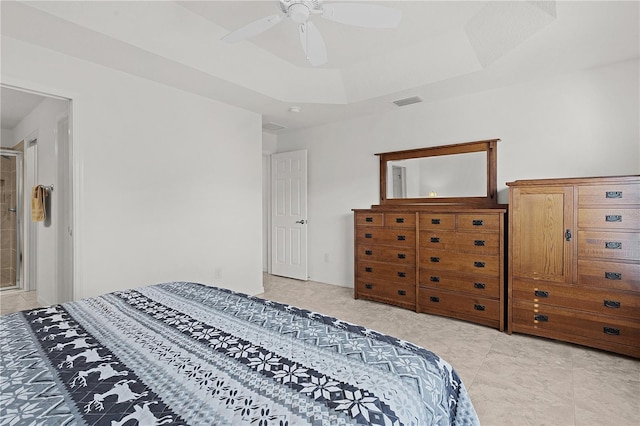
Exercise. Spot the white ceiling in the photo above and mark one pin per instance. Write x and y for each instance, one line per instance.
(441, 49)
(15, 105)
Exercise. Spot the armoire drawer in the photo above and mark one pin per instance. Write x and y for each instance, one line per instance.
(404, 255)
(403, 293)
(460, 306)
(609, 275)
(384, 236)
(487, 243)
(610, 218)
(386, 271)
(369, 219)
(605, 302)
(609, 245)
(441, 221)
(478, 222)
(481, 286)
(435, 260)
(613, 194)
(588, 325)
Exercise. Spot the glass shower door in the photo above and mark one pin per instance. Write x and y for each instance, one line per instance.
(10, 219)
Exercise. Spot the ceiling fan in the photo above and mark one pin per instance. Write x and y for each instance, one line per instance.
(300, 11)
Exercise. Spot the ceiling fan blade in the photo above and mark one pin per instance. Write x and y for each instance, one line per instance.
(362, 15)
(312, 44)
(252, 29)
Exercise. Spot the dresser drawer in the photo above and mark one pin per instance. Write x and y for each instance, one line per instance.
(478, 222)
(610, 275)
(440, 221)
(568, 322)
(386, 271)
(614, 194)
(400, 220)
(369, 219)
(487, 243)
(446, 303)
(384, 236)
(481, 286)
(403, 293)
(386, 254)
(609, 245)
(434, 260)
(606, 302)
(609, 218)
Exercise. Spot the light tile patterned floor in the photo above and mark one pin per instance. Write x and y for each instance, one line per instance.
(513, 380)
(17, 300)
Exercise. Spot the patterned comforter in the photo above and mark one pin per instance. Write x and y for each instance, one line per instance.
(183, 353)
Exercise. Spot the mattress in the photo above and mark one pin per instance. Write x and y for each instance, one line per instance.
(184, 353)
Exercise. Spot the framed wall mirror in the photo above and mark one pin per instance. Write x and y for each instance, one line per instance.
(462, 173)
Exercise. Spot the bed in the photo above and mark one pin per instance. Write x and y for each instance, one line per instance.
(183, 353)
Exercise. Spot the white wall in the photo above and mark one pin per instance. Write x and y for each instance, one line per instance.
(269, 145)
(41, 123)
(167, 184)
(581, 124)
(6, 138)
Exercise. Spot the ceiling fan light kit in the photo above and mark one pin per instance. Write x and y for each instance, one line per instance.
(300, 12)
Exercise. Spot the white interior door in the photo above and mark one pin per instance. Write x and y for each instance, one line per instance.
(289, 214)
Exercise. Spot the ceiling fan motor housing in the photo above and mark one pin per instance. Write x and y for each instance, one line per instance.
(299, 10)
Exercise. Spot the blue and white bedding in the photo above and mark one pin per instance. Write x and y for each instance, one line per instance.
(183, 353)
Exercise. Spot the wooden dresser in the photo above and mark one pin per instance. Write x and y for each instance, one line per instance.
(574, 261)
(444, 260)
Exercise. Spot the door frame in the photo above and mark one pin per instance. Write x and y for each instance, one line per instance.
(75, 164)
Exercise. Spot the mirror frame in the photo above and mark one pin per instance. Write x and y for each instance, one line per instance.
(489, 146)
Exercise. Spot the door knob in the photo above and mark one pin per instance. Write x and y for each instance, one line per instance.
(302, 222)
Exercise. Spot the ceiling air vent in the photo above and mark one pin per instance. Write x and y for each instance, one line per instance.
(272, 126)
(408, 101)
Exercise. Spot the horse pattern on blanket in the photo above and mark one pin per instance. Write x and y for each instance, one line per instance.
(183, 353)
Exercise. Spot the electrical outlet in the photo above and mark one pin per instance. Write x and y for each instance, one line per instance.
(217, 274)
(326, 258)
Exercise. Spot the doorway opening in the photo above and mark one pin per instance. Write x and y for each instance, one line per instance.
(36, 131)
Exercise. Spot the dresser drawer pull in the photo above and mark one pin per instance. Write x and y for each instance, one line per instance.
(435, 239)
(478, 243)
(434, 299)
(399, 219)
(540, 293)
(611, 331)
(402, 256)
(613, 275)
(368, 269)
(541, 318)
(402, 292)
(435, 221)
(613, 218)
(613, 194)
(481, 286)
(477, 222)
(478, 264)
(401, 238)
(368, 235)
(434, 259)
(368, 252)
(478, 307)
(402, 274)
(434, 279)
(612, 304)
(614, 245)
(368, 219)
(368, 286)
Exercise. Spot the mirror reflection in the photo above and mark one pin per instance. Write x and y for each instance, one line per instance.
(456, 175)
